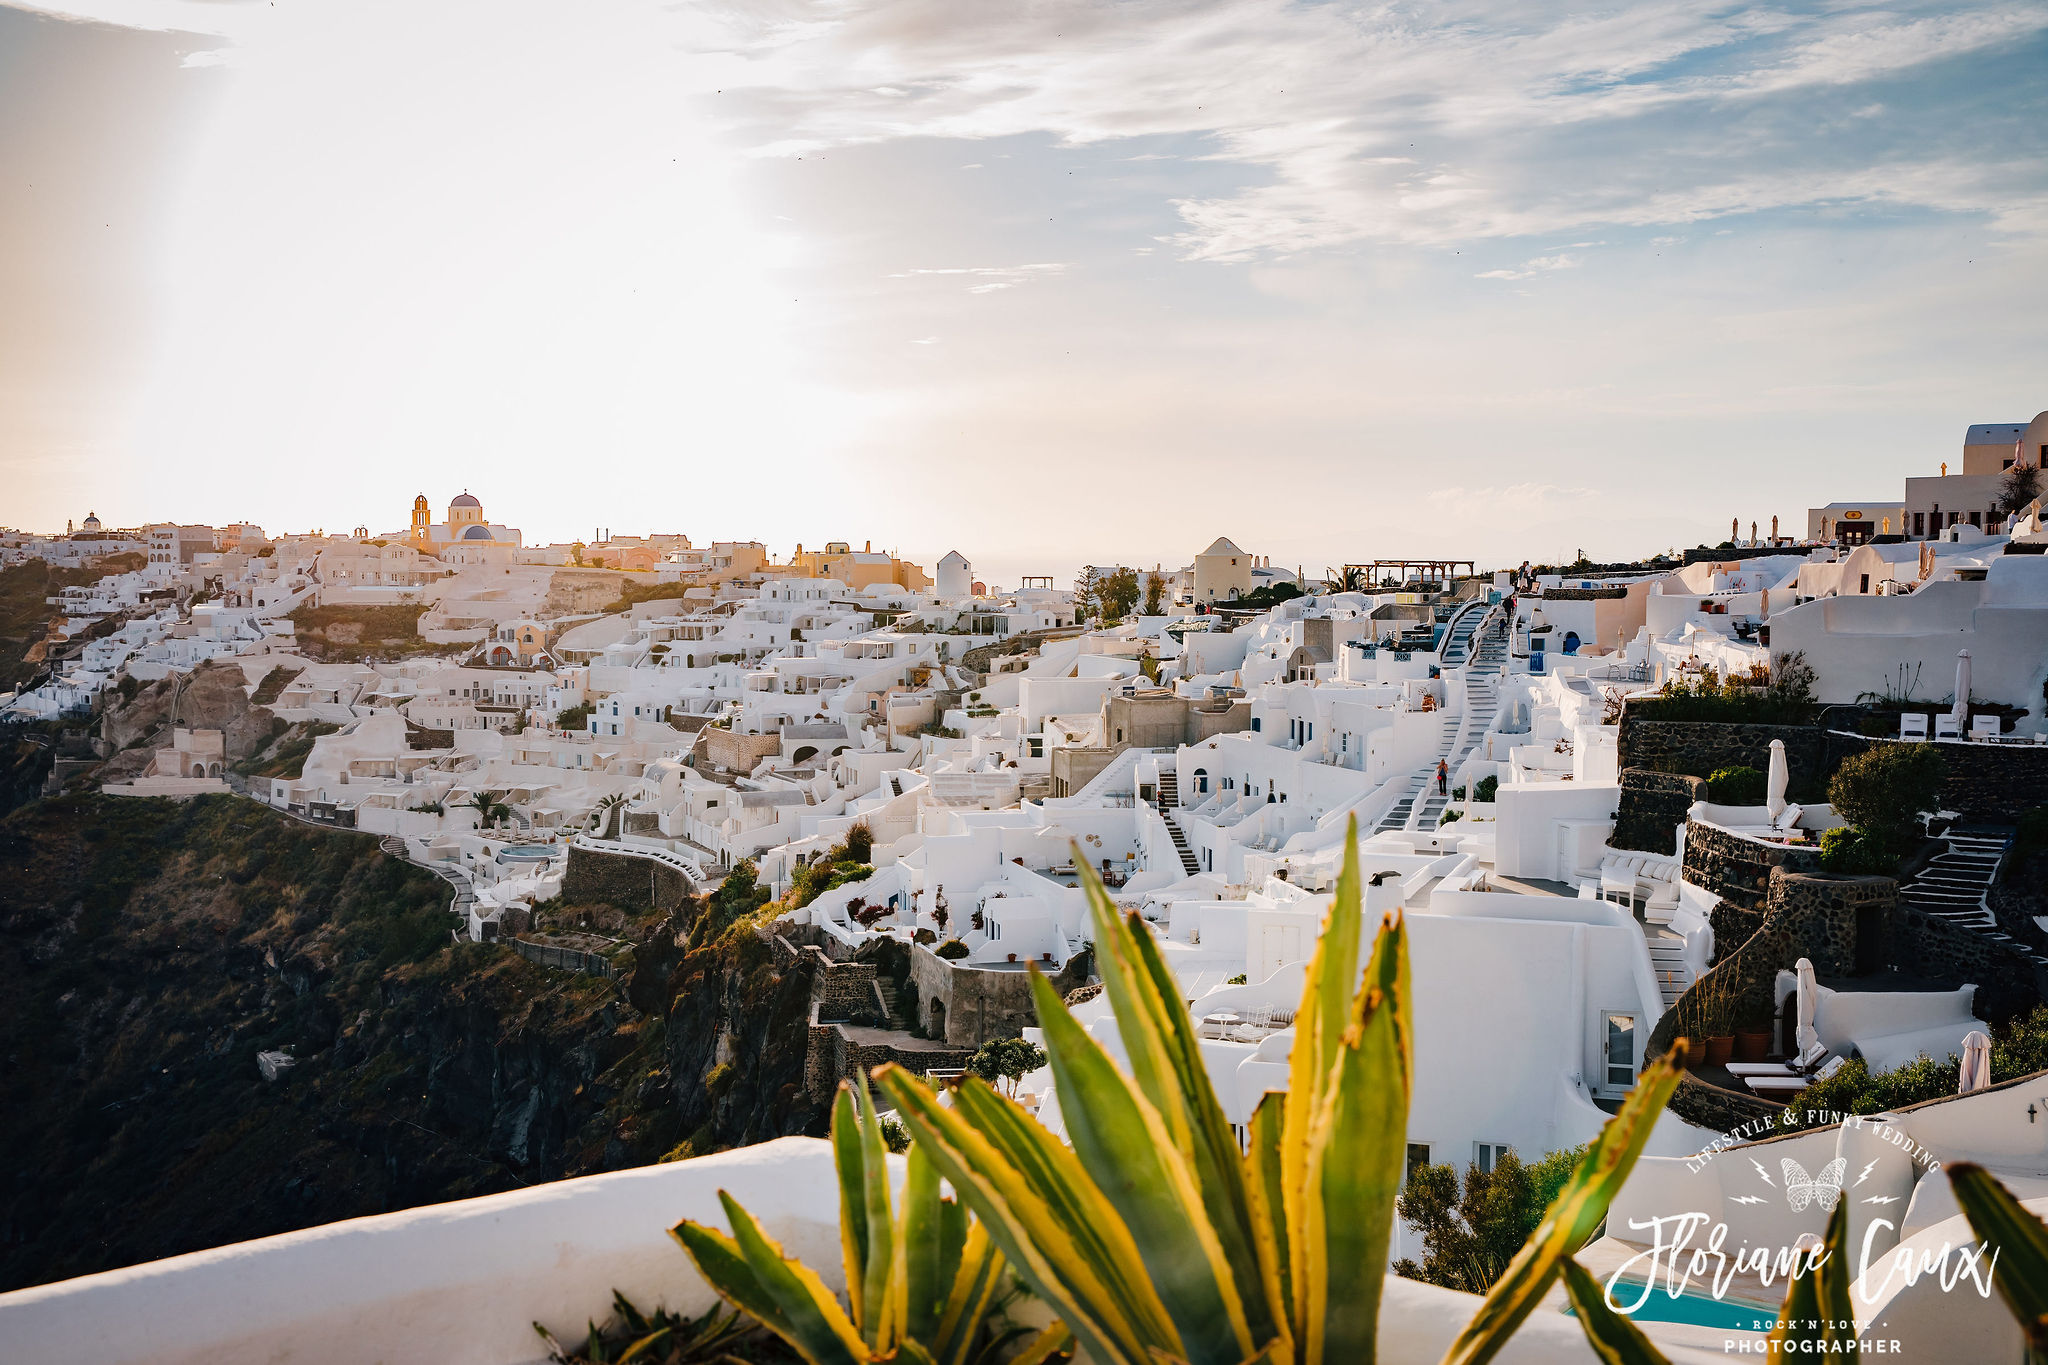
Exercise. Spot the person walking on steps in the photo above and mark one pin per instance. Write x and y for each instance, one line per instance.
(1443, 778)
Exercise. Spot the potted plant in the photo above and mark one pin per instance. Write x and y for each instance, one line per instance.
(1753, 1034)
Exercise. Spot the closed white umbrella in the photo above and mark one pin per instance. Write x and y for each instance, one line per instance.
(1780, 775)
(1976, 1063)
(1961, 711)
(1807, 1036)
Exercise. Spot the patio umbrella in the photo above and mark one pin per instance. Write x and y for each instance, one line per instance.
(1809, 996)
(1774, 790)
(1976, 1063)
(1961, 710)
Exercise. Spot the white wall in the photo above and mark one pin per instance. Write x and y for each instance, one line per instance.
(1527, 818)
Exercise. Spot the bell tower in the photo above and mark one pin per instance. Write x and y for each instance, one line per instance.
(422, 517)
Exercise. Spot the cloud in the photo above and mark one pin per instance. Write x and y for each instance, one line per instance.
(1535, 266)
(989, 279)
(1426, 126)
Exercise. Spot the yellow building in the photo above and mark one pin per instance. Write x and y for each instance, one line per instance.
(857, 569)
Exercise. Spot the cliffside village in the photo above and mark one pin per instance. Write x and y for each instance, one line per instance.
(1576, 872)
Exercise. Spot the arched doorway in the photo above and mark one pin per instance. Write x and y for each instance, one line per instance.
(805, 754)
(1201, 781)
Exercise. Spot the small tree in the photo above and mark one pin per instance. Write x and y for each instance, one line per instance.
(1155, 594)
(1468, 1238)
(1885, 789)
(942, 914)
(490, 808)
(1118, 593)
(1006, 1061)
(2021, 486)
(860, 842)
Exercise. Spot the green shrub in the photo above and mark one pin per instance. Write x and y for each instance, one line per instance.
(2033, 832)
(860, 843)
(1856, 853)
(576, 717)
(1486, 789)
(1883, 790)
(952, 950)
(720, 1078)
(1737, 786)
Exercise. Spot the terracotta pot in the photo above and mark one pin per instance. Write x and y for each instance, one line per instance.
(1721, 1050)
(1752, 1044)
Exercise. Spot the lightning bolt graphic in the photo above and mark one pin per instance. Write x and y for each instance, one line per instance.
(1881, 1199)
(1866, 1171)
(1749, 1199)
(1760, 1170)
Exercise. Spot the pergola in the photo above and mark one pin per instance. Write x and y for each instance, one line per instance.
(1438, 571)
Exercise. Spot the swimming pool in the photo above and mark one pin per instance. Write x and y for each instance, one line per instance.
(1699, 1310)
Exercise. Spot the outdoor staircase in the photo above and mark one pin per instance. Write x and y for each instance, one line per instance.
(396, 846)
(1423, 805)
(1956, 884)
(892, 1005)
(1667, 958)
(1168, 796)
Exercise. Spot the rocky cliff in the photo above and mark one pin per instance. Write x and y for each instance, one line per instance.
(150, 951)
(213, 696)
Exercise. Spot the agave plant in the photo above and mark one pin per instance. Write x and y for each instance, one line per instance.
(921, 1281)
(1157, 1237)
(2021, 1274)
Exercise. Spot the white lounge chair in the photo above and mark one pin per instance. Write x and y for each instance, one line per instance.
(1912, 725)
(1945, 727)
(1984, 727)
(1793, 1083)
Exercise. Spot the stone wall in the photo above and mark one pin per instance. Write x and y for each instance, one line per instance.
(1814, 916)
(980, 1003)
(1652, 809)
(622, 880)
(1994, 783)
(1701, 747)
(1739, 869)
(1723, 1111)
(2008, 980)
(737, 753)
(834, 1057)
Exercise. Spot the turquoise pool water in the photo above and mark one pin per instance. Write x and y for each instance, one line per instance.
(1700, 1310)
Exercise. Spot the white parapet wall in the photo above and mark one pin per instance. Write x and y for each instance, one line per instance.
(462, 1283)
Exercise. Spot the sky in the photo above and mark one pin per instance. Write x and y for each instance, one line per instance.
(1051, 283)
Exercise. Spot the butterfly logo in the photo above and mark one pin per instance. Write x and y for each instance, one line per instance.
(1824, 1189)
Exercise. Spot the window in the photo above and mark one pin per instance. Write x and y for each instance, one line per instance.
(1865, 584)
(1621, 1049)
(1486, 1155)
(1255, 723)
(1418, 1157)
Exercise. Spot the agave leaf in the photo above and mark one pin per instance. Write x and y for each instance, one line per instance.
(1799, 1317)
(805, 1313)
(880, 1320)
(1055, 1340)
(1572, 1216)
(1326, 993)
(1038, 1206)
(1268, 1205)
(967, 1302)
(849, 1162)
(1355, 1163)
(2017, 1237)
(724, 1267)
(646, 1347)
(926, 1277)
(1128, 1149)
(1211, 1149)
(1615, 1339)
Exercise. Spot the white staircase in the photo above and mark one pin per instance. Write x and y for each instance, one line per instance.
(1167, 793)
(1424, 805)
